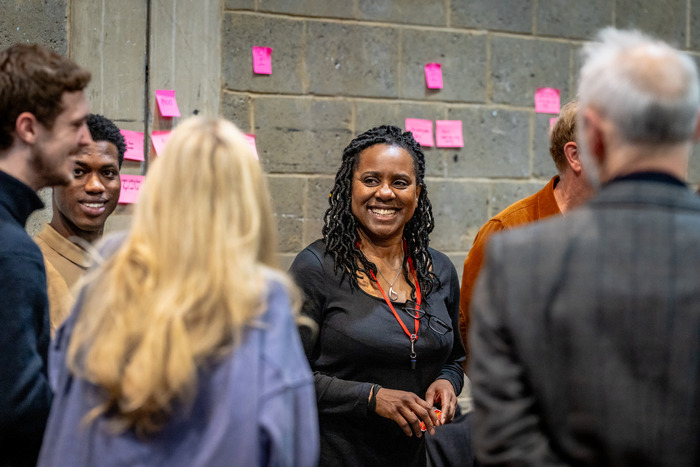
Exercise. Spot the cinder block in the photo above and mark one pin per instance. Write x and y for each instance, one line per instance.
(317, 194)
(369, 114)
(289, 234)
(460, 208)
(312, 231)
(239, 4)
(435, 162)
(542, 164)
(575, 71)
(319, 189)
(35, 21)
(457, 259)
(37, 219)
(403, 11)
(121, 218)
(496, 143)
(695, 24)
(663, 19)
(301, 135)
(243, 31)
(503, 194)
(285, 260)
(694, 166)
(463, 60)
(287, 193)
(497, 15)
(236, 107)
(566, 18)
(352, 60)
(185, 52)
(520, 66)
(325, 8)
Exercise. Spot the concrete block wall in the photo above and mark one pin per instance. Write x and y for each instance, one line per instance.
(132, 48)
(340, 67)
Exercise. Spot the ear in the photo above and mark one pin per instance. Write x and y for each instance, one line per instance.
(571, 154)
(26, 127)
(593, 132)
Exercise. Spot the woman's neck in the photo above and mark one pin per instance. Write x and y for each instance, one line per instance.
(387, 251)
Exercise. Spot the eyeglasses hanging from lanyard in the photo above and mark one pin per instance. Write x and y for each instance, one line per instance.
(416, 323)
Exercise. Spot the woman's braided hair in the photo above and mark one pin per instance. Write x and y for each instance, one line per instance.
(340, 227)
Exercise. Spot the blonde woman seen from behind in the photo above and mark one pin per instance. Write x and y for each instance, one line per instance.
(182, 347)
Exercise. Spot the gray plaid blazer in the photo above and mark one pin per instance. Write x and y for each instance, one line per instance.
(585, 340)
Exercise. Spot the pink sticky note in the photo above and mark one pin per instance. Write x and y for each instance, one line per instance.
(134, 145)
(167, 103)
(547, 101)
(251, 141)
(131, 186)
(448, 133)
(159, 139)
(262, 60)
(433, 75)
(422, 130)
(552, 122)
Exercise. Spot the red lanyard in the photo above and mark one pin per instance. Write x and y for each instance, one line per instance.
(413, 337)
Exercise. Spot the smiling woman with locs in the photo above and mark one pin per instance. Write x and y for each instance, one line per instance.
(386, 354)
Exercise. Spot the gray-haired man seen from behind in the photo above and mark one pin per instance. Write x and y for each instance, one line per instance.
(593, 356)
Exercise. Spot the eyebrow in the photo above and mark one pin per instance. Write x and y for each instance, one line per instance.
(81, 120)
(374, 172)
(110, 165)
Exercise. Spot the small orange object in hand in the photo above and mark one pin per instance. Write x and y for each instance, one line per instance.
(422, 425)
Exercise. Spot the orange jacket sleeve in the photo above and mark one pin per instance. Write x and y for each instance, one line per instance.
(472, 266)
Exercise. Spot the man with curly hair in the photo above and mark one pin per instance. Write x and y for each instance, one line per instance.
(80, 211)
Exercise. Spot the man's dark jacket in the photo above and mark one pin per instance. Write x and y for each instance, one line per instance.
(25, 395)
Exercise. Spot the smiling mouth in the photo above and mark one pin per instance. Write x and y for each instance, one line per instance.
(383, 212)
(95, 205)
(94, 208)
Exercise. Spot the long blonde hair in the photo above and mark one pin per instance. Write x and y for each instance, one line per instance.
(189, 276)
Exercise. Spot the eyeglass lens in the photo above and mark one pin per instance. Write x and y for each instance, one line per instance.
(436, 324)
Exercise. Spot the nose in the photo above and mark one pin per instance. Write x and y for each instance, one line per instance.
(93, 184)
(385, 192)
(85, 137)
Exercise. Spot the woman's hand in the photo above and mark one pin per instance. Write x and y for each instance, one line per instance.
(407, 410)
(442, 391)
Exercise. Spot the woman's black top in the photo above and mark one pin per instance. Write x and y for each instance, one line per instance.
(359, 343)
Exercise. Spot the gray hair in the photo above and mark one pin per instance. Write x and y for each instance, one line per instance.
(648, 89)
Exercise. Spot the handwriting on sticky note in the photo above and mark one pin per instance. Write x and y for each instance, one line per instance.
(547, 101)
(422, 130)
(251, 141)
(131, 187)
(167, 103)
(433, 75)
(448, 134)
(262, 60)
(134, 145)
(159, 140)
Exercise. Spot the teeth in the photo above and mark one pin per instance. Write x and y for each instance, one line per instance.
(384, 212)
(94, 205)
